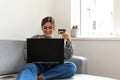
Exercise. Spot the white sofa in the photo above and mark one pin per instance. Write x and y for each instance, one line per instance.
(12, 60)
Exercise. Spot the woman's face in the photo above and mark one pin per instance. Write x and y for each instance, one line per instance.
(48, 29)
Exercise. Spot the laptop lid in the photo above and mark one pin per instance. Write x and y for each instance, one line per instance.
(45, 50)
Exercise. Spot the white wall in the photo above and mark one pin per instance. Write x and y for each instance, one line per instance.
(62, 14)
(103, 55)
(21, 18)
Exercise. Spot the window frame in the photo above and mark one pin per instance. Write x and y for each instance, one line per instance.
(80, 19)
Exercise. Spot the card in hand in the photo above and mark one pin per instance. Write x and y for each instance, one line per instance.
(60, 31)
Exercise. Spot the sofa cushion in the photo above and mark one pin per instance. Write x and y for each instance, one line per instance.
(76, 77)
(87, 77)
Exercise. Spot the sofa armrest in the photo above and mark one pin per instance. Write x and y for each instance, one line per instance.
(81, 63)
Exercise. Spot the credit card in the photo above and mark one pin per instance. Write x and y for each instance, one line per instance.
(60, 31)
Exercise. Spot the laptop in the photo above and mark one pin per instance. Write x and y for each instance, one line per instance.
(45, 50)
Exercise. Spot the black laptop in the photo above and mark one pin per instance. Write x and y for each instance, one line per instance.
(45, 50)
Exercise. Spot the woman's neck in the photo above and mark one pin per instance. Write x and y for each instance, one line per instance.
(48, 36)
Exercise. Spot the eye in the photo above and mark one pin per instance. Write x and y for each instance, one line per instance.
(44, 27)
(49, 27)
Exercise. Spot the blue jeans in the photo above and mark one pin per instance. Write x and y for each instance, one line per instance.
(50, 71)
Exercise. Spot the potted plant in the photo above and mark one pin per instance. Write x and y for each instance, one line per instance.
(75, 31)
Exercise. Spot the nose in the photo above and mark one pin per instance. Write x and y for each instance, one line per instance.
(48, 29)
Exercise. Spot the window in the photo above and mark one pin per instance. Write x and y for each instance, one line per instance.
(94, 17)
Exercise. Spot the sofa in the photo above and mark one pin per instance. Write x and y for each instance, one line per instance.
(12, 60)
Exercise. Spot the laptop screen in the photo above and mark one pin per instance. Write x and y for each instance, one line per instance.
(45, 50)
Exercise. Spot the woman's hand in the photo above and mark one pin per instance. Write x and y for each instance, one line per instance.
(67, 37)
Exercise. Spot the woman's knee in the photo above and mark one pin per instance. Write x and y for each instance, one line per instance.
(71, 68)
(30, 66)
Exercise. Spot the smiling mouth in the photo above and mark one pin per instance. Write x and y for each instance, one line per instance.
(48, 34)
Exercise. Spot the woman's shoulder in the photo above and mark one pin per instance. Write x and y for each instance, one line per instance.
(38, 36)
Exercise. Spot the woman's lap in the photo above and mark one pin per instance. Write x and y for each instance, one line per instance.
(49, 71)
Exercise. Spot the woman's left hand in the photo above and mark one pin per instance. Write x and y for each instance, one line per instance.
(67, 37)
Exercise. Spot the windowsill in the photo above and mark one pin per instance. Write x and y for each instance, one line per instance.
(96, 38)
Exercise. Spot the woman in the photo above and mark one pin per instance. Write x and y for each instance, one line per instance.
(39, 71)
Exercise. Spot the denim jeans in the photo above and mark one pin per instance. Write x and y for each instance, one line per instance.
(50, 71)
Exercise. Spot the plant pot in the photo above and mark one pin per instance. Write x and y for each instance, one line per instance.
(75, 33)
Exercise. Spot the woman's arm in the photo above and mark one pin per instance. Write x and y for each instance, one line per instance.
(68, 50)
